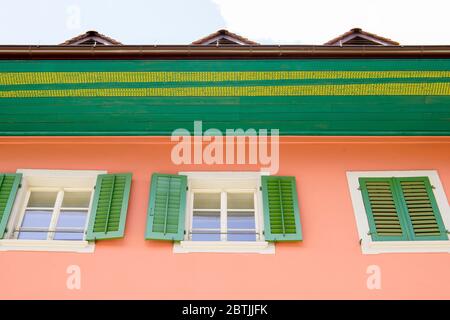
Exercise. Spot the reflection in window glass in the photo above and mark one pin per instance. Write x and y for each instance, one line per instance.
(206, 226)
(207, 201)
(70, 225)
(241, 226)
(240, 201)
(42, 199)
(76, 199)
(34, 221)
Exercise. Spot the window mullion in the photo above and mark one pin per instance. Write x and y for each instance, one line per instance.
(55, 215)
(223, 216)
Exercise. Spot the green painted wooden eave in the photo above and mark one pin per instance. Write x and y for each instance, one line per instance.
(368, 97)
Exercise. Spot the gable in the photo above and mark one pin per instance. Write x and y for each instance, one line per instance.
(359, 37)
(92, 38)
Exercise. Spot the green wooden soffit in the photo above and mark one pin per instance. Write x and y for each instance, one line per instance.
(298, 97)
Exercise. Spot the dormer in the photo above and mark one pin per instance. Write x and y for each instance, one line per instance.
(359, 37)
(224, 38)
(91, 38)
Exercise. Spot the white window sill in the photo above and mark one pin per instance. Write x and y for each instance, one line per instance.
(47, 245)
(262, 247)
(375, 247)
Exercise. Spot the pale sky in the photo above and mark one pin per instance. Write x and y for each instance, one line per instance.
(183, 21)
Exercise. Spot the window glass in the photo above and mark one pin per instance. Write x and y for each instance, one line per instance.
(34, 221)
(70, 225)
(206, 217)
(206, 200)
(42, 199)
(240, 201)
(76, 199)
(241, 217)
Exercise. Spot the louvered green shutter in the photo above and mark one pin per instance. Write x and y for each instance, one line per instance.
(421, 208)
(281, 212)
(9, 184)
(402, 209)
(167, 206)
(383, 209)
(109, 208)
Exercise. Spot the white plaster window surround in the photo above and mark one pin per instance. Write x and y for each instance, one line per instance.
(53, 182)
(369, 246)
(221, 184)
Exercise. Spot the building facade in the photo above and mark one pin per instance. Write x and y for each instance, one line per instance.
(227, 171)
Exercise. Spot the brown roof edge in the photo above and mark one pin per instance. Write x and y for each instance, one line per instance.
(206, 52)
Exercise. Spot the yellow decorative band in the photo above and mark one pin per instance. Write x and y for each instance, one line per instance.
(14, 78)
(387, 89)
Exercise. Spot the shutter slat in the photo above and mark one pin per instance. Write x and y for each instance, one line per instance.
(9, 185)
(167, 206)
(109, 208)
(281, 211)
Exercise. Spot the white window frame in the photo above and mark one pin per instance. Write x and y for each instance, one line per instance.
(48, 180)
(368, 246)
(224, 182)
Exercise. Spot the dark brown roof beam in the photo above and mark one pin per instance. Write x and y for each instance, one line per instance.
(212, 52)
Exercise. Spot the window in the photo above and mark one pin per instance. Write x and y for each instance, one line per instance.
(54, 214)
(223, 211)
(61, 210)
(405, 211)
(222, 215)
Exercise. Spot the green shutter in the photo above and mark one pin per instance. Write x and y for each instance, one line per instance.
(421, 208)
(402, 209)
(9, 184)
(383, 209)
(281, 212)
(167, 206)
(109, 208)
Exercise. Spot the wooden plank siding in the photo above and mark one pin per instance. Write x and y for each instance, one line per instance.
(155, 97)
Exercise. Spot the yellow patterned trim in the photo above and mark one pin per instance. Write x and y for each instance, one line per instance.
(12, 78)
(307, 90)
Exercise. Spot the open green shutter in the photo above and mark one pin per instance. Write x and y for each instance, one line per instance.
(281, 212)
(421, 208)
(167, 206)
(383, 208)
(109, 208)
(9, 184)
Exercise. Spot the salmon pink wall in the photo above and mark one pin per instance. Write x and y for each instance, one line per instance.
(327, 264)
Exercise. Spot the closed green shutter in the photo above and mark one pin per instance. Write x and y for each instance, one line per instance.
(167, 206)
(383, 209)
(421, 208)
(402, 209)
(109, 208)
(281, 212)
(9, 184)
